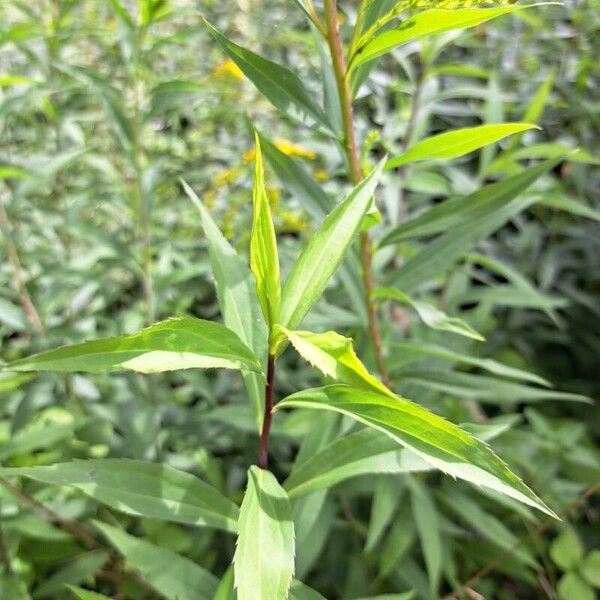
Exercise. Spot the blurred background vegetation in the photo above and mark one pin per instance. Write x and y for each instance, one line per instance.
(105, 105)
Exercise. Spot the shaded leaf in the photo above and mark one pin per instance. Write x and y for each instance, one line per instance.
(141, 488)
(175, 577)
(278, 84)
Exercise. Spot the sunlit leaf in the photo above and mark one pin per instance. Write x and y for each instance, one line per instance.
(264, 556)
(178, 343)
(264, 260)
(324, 252)
(459, 142)
(435, 440)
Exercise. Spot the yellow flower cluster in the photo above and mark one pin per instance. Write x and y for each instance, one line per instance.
(227, 68)
(287, 148)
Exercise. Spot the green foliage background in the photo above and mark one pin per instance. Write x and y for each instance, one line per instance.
(100, 117)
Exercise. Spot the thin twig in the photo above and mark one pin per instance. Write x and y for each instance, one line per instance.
(19, 281)
(263, 450)
(73, 527)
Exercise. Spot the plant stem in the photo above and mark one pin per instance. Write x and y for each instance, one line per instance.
(13, 257)
(73, 527)
(336, 49)
(263, 450)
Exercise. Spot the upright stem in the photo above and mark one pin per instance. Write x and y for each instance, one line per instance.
(336, 49)
(263, 450)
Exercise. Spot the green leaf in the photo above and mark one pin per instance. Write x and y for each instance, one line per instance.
(173, 576)
(430, 315)
(225, 590)
(483, 388)
(333, 355)
(427, 23)
(472, 209)
(573, 587)
(428, 529)
(264, 260)
(82, 594)
(412, 351)
(361, 453)
(142, 489)
(459, 142)
(296, 180)
(35, 438)
(566, 550)
(590, 568)
(178, 343)
(236, 292)
(76, 571)
(504, 203)
(299, 591)
(387, 496)
(264, 556)
(437, 441)
(324, 252)
(569, 205)
(278, 84)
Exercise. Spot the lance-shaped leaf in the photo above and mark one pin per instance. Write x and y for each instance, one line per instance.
(140, 488)
(459, 142)
(179, 343)
(236, 292)
(264, 556)
(361, 453)
(427, 23)
(333, 354)
(278, 84)
(428, 313)
(437, 441)
(175, 577)
(409, 352)
(483, 203)
(264, 260)
(449, 247)
(324, 252)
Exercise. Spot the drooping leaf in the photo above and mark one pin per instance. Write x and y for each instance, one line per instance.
(459, 142)
(175, 577)
(264, 556)
(264, 260)
(431, 315)
(427, 23)
(437, 441)
(277, 83)
(333, 354)
(236, 291)
(141, 488)
(178, 343)
(324, 252)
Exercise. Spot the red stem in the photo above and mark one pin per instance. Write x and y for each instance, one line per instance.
(263, 450)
